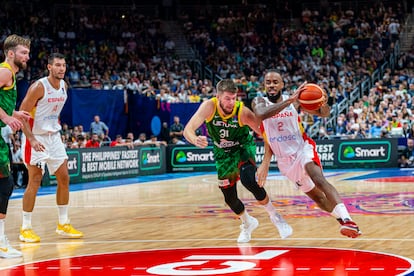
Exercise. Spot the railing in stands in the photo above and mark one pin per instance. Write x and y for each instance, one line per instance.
(360, 90)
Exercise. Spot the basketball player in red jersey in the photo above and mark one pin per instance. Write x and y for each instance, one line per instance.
(295, 152)
(42, 145)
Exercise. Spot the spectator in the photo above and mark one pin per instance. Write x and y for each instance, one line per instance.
(134, 77)
(98, 127)
(376, 129)
(94, 142)
(165, 133)
(141, 139)
(81, 131)
(129, 140)
(74, 76)
(106, 81)
(406, 128)
(118, 85)
(117, 142)
(252, 86)
(164, 95)
(169, 46)
(176, 141)
(120, 142)
(411, 131)
(385, 133)
(193, 96)
(65, 130)
(154, 141)
(80, 142)
(394, 123)
(406, 159)
(322, 134)
(105, 140)
(340, 128)
(306, 119)
(394, 29)
(176, 129)
(351, 116)
(130, 136)
(359, 131)
(132, 86)
(96, 82)
(84, 82)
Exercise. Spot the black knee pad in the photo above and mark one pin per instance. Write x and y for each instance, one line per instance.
(232, 200)
(248, 179)
(6, 190)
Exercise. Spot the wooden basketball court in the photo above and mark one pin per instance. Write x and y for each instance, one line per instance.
(187, 211)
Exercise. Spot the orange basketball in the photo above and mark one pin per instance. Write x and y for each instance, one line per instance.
(311, 97)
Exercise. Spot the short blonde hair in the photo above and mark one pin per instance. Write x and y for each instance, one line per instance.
(12, 41)
(226, 85)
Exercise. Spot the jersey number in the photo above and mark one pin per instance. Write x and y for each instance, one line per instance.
(224, 133)
(280, 126)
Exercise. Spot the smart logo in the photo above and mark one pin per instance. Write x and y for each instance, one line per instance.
(73, 163)
(180, 157)
(150, 158)
(188, 158)
(349, 152)
(364, 152)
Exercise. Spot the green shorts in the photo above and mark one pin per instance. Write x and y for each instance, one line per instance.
(227, 163)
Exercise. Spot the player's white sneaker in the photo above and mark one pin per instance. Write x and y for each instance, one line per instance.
(247, 229)
(7, 251)
(285, 230)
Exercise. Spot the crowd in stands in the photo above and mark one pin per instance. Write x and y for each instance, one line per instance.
(336, 49)
(98, 136)
(339, 47)
(386, 111)
(120, 48)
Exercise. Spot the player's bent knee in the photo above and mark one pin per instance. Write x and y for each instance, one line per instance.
(248, 179)
(231, 199)
(248, 173)
(236, 206)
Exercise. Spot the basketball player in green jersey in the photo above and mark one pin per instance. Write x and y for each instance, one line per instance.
(228, 122)
(16, 50)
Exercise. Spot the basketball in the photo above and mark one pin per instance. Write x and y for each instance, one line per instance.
(311, 96)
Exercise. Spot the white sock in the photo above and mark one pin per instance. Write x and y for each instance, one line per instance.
(340, 211)
(27, 220)
(2, 223)
(270, 208)
(63, 214)
(245, 217)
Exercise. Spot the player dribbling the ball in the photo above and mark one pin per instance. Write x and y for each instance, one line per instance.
(296, 152)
